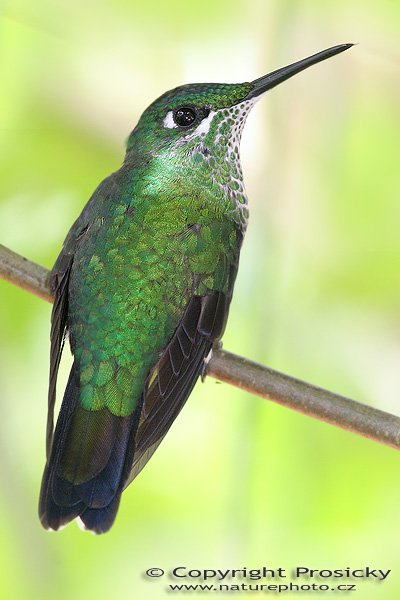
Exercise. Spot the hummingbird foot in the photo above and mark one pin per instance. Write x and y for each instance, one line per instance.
(216, 346)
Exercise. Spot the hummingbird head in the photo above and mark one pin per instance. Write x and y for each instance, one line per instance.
(199, 126)
(186, 115)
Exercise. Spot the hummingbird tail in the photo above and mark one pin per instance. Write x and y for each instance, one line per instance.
(90, 460)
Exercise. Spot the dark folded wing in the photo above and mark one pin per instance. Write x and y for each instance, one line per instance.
(59, 285)
(173, 378)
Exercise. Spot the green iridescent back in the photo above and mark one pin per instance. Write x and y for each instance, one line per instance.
(144, 256)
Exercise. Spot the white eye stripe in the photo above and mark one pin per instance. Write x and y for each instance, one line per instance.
(169, 122)
(204, 125)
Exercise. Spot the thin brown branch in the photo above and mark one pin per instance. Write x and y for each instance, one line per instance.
(306, 398)
(247, 375)
(25, 274)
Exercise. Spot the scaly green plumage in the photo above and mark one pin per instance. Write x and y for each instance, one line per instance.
(143, 287)
(162, 262)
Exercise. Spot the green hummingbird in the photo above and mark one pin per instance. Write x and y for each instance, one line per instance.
(142, 287)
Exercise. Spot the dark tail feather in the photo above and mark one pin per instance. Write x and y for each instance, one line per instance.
(99, 520)
(52, 515)
(90, 460)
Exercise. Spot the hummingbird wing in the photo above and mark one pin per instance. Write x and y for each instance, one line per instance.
(59, 282)
(174, 376)
(59, 286)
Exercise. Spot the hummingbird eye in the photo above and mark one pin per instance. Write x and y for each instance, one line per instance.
(184, 116)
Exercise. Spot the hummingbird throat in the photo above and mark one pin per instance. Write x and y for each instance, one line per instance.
(214, 147)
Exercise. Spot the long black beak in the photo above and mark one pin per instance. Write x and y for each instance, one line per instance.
(269, 81)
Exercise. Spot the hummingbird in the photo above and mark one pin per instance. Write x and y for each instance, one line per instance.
(142, 288)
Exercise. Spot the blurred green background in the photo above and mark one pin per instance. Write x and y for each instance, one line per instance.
(238, 481)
